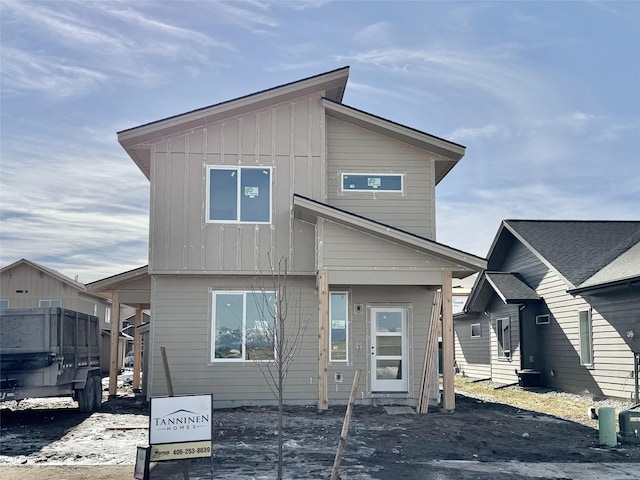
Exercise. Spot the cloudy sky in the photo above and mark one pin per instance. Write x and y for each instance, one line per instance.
(544, 95)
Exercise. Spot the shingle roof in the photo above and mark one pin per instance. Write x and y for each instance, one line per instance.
(577, 249)
(511, 288)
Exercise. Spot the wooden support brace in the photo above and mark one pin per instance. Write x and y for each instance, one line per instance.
(323, 341)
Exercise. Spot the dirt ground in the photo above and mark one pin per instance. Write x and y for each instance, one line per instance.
(51, 439)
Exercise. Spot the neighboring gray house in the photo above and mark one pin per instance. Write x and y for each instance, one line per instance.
(561, 298)
(347, 197)
(25, 284)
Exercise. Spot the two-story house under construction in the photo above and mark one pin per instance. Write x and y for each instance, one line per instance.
(345, 197)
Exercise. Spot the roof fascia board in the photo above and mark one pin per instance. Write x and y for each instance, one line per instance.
(360, 223)
(52, 273)
(111, 283)
(335, 79)
(601, 287)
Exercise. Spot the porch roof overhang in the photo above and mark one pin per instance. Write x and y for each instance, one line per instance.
(137, 140)
(133, 287)
(465, 264)
(446, 153)
(508, 286)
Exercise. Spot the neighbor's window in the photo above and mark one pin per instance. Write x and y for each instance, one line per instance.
(4, 304)
(586, 338)
(339, 320)
(239, 194)
(372, 182)
(107, 315)
(476, 330)
(243, 326)
(503, 332)
(49, 303)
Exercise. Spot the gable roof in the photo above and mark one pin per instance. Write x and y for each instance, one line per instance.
(575, 249)
(48, 271)
(623, 270)
(510, 287)
(332, 84)
(309, 210)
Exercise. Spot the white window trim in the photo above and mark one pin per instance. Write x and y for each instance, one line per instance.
(543, 319)
(346, 338)
(49, 300)
(243, 344)
(479, 326)
(237, 168)
(506, 352)
(590, 320)
(371, 174)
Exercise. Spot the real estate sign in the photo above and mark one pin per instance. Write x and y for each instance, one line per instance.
(180, 427)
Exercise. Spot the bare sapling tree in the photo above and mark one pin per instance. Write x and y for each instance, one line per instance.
(277, 338)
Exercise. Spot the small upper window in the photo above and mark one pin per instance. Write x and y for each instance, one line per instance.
(476, 330)
(239, 194)
(542, 319)
(4, 304)
(49, 303)
(372, 182)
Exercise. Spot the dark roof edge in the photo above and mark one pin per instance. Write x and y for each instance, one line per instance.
(631, 282)
(233, 100)
(404, 232)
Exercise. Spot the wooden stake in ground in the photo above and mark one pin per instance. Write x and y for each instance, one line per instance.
(167, 374)
(345, 427)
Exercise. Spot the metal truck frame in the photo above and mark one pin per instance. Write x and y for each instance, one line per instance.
(50, 352)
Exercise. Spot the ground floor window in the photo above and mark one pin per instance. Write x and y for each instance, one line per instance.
(243, 325)
(586, 339)
(476, 330)
(339, 332)
(503, 332)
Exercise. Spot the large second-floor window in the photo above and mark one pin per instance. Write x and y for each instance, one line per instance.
(243, 326)
(239, 194)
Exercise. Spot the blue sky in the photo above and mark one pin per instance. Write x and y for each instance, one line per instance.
(544, 95)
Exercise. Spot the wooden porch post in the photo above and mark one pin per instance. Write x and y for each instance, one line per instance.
(448, 372)
(115, 342)
(323, 327)
(137, 350)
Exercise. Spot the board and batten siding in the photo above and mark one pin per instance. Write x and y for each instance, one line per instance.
(286, 138)
(352, 149)
(472, 354)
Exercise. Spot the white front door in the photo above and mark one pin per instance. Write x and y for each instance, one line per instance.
(388, 350)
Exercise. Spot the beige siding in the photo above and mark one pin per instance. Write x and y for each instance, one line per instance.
(472, 355)
(284, 137)
(345, 248)
(182, 323)
(351, 149)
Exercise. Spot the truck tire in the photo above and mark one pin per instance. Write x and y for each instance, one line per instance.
(86, 396)
(97, 401)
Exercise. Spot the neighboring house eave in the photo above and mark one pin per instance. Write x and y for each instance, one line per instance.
(113, 282)
(487, 285)
(48, 271)
(136, 140)
(606, 287)
(448, 153)
(309, 210)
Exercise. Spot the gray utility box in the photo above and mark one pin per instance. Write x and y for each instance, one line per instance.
(629, 421)
(50, 352)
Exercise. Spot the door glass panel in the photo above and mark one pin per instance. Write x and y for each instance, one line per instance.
(389, 322)
(388, 369)
(389, 346)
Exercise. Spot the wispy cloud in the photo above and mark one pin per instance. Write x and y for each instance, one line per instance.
(487, 131)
